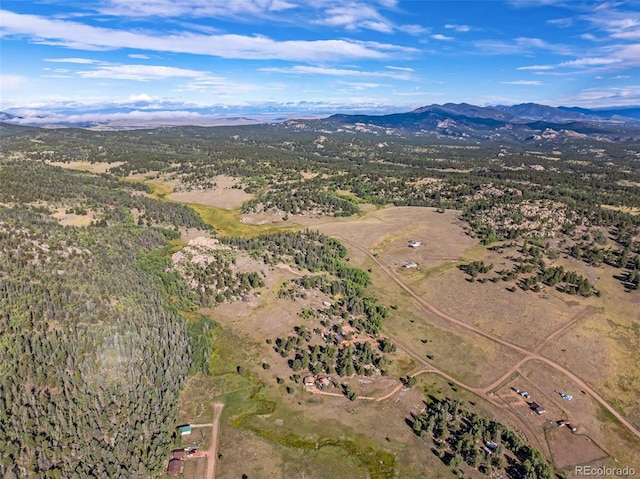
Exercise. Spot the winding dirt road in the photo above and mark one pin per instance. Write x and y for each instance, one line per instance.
(529, 355)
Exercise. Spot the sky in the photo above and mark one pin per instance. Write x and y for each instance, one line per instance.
(199, 57)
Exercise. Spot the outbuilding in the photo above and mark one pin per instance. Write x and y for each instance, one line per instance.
(178, 454)
(537, 408)
(175, 467)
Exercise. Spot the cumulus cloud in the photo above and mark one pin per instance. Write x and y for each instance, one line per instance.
(438, 36)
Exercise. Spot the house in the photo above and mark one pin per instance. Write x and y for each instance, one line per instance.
(309, 381)
(175, 467)
(415, 244)
(524, 394)
(178, 454)
(184, 430)
(537, 408)
(564, 422)
(324, 383)
(411, 264)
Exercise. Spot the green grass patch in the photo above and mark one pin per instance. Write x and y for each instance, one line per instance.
(159, 190)
(475, 253)
(227, 222)
(441, 268)
(379, 464)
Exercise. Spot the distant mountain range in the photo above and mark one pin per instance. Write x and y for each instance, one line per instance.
(527, 122)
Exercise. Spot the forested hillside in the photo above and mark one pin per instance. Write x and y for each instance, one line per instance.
(92, 352)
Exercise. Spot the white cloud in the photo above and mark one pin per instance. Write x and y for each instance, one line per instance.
(83, 61)
(583, 62)
(193, 8)
(222, 87)
(84, 37)
(388, 3)
(142, 97)
(402, 69)
(353, 16)
(139, 72)
(594, 97)
(364, 86)
(340, 72)
(438, 36)
(617, 21)
(536, 67)
(413, 29)
(457, 28)
(138, 56)
(588, 36)
(522, 45)
(522, 82)
(561, 22)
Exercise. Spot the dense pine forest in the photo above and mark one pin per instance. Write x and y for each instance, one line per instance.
(92, 356)
(93, 351)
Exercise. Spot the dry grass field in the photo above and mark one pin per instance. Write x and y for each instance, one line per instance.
(72, 219)
(87, 165)
(221, 196)
(569, 450)
(594, 338)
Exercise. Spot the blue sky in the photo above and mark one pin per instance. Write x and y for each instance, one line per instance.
(192, 56)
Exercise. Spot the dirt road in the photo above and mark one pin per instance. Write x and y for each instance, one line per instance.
(212, 453)
(529, 355)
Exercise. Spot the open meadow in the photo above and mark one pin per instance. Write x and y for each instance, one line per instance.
(481, 335)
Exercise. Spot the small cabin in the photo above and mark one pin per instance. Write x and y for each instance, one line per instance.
(184, 430)
(175, 467)
(537, 408)
(178, 454)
